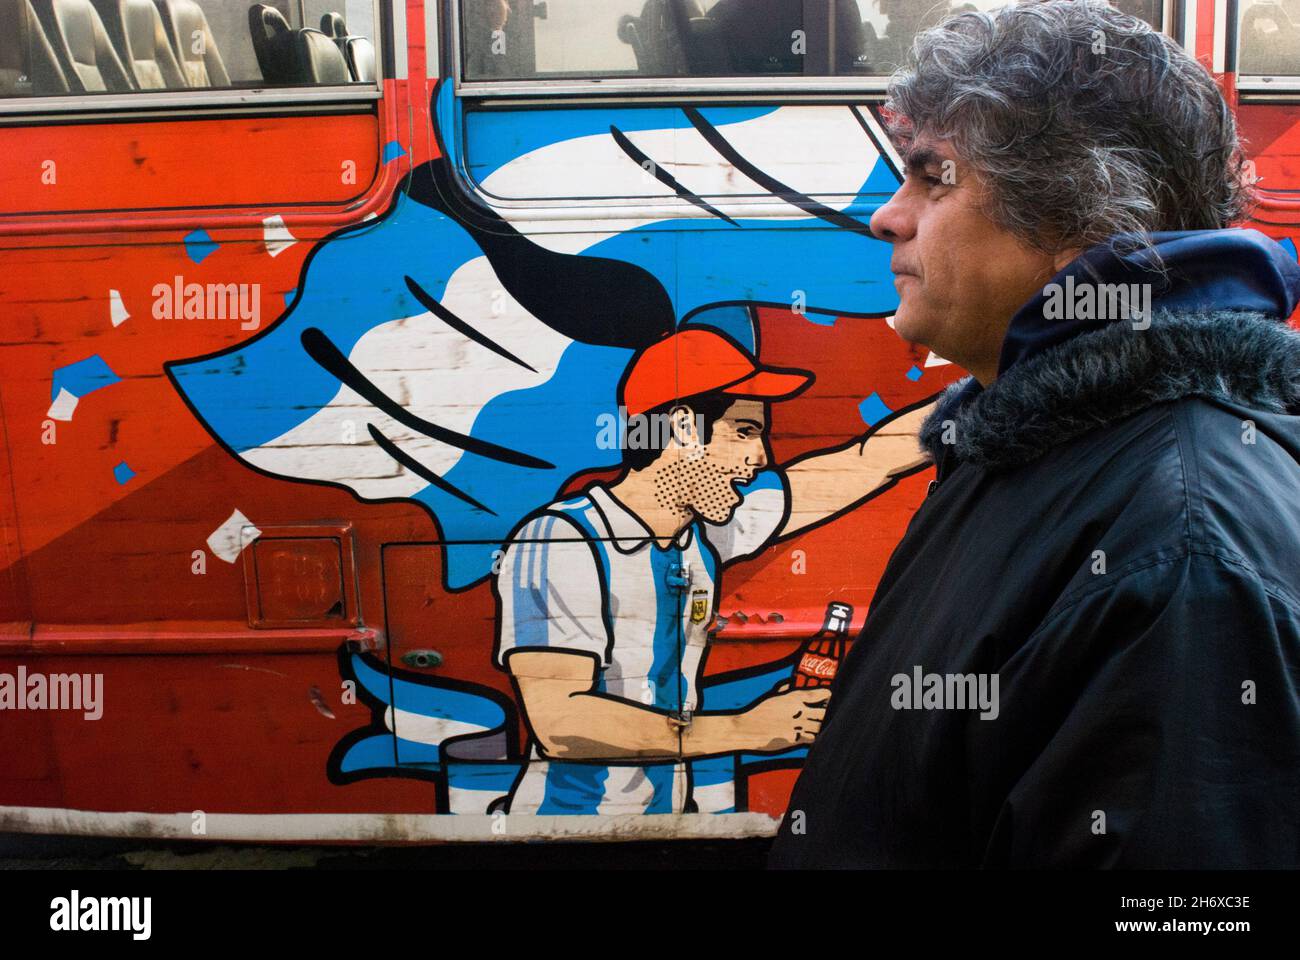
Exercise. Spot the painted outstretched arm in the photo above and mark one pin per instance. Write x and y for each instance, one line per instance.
(570, 721)
(826, 483)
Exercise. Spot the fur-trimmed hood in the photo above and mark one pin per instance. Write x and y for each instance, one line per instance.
(1215, 331)
(1102, 376)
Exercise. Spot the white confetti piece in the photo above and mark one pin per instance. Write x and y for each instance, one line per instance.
(276, 235)
(117, 311)
(63, 405)
(229, 540)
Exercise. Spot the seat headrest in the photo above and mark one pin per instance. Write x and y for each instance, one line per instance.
(333, 25)
(269, 19)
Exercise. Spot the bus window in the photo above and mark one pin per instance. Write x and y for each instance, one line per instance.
(568, 39)
(660, 38)
(51, 48)
(1269, 44)
(889, 26)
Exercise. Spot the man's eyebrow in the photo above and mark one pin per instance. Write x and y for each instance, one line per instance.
(920, 158)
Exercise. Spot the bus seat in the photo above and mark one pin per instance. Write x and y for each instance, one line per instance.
(759, 35)
(706, 48)
(81, 46)
(183, 19)
(319, 58)
(357, 51)
(334, 26)
(655, 36)
(27, 64)
(272, 44)
(136, 29)
(360, 54)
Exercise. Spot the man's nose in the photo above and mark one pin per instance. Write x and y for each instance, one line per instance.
(759, 458)
(891, 222)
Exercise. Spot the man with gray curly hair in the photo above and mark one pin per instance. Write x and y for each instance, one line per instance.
(1085, 651)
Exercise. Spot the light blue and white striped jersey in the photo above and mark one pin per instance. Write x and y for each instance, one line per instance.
(584, 575)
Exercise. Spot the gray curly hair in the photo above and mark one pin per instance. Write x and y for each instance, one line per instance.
(1083, 121)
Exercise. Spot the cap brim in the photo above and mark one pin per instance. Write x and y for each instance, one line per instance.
(770, 385)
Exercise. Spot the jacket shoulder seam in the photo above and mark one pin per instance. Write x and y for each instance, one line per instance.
(1164, 558)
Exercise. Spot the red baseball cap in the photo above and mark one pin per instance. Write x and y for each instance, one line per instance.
(695, 361)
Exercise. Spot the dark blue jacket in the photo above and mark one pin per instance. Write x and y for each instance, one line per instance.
(1115, 535)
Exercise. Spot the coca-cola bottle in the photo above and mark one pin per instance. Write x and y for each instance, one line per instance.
(821, 655)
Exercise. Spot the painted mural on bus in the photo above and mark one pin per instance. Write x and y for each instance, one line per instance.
(541, 364)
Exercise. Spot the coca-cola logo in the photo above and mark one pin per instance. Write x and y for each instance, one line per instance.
(821, 667)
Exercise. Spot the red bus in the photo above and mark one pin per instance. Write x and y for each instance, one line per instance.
(340, 338)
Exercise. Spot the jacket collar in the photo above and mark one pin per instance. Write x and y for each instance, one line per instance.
(1190, 271)
(1100, 377)
(1212, 299)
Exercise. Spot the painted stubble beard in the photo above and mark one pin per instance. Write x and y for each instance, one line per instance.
(695, 480)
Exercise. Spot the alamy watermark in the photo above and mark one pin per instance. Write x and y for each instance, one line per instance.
(640, 431)
(53, 691)
(919, 690)
(75, 913)
(1098, 301)
(179, 300)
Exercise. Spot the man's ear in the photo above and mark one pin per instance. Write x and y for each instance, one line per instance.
(681, 421)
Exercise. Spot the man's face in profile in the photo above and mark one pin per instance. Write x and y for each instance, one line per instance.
(959, 275)
(736, 451)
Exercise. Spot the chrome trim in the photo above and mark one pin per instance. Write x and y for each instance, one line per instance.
(400, 51)
(186, 100)
(626, 86)
(687, 98)
(1259, 84)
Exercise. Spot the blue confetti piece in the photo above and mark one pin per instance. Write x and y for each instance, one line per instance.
(873, 410)
(393, 150)
(199, 245)
(122, 473)
(821, 319)
(1289, 245)
(82, 377)
(914, 374)
(288, 297)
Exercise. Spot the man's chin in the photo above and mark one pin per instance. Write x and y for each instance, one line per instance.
(718, 517)
(911, 328)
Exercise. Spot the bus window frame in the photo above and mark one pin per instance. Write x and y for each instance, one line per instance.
(560, 215)
(1254, 86)
(870, 86)
(187, 103)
